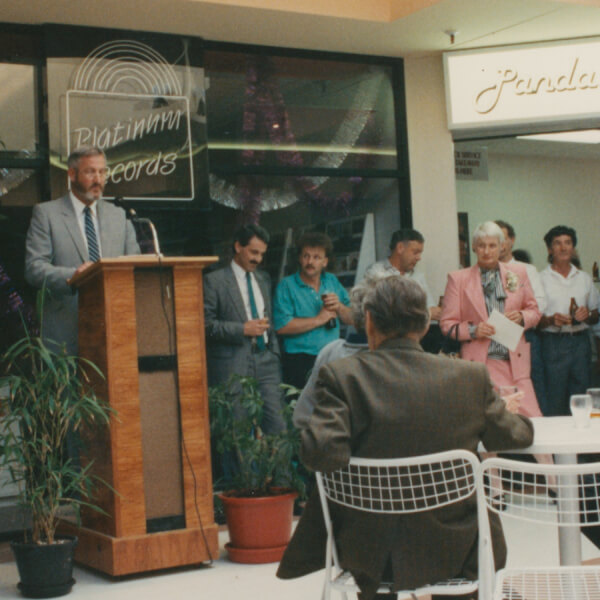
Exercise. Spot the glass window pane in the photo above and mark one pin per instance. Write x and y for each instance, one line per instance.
(337, 207)
(19, 187)
(18, 130)
(281, 111)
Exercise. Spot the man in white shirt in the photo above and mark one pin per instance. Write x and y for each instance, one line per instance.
(571, 307)
(406, 250)
(67, 235)
(531, 335)
(238, 316)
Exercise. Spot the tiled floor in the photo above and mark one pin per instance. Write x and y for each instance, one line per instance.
(229, 581)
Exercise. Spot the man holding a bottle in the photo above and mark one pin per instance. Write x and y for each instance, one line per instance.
(307, 308)
(571, 307)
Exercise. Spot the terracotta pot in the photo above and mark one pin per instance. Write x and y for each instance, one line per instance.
(259, 528)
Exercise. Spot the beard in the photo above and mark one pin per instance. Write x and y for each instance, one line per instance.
(89, 193)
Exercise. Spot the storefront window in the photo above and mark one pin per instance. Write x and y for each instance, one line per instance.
(299, 112)
(18, 126)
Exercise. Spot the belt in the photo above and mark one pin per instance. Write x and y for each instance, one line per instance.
(565, 333)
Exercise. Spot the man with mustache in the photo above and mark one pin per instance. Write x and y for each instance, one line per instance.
(307, 308)
(237, 315)
(69, 234)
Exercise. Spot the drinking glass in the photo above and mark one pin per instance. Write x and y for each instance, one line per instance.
(507, 392)
(581, 409)
(595, 394)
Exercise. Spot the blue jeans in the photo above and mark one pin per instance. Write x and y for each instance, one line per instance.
(567, 364)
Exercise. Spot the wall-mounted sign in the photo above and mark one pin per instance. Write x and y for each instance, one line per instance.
(471, 164)
(127, 100)
(523, 88)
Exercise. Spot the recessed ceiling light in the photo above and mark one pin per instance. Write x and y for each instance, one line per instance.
(586, 136)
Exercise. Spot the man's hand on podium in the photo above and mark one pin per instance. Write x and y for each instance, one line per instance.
(82, 267)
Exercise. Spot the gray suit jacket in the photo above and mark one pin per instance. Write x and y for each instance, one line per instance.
(398, 401)
(228, 348)
(55, 248)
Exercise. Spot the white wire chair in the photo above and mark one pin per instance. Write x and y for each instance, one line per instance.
(576, 488)
(396, 486)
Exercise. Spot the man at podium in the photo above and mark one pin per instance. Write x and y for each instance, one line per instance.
(67, 235)
(239, 332)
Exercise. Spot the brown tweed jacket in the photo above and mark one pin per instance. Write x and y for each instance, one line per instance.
(398, 401)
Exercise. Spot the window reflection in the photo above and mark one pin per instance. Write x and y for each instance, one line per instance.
(18, 130)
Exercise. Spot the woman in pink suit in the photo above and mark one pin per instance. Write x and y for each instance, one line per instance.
(471, 295)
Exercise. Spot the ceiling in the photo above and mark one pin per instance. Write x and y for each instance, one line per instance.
(396, 28)
(379, 27)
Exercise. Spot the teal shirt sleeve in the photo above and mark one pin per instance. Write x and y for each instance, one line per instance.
(283, 307)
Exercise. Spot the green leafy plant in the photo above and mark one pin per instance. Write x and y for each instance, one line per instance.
(46, 395)
(263, 462)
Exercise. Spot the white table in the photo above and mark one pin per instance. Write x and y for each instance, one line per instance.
(559, 436)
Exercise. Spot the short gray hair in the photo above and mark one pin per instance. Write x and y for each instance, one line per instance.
(398, 306)
(487, 229)
(357, 294)
(80, 152)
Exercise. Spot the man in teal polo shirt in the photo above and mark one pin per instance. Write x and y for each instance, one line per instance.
(307, 308)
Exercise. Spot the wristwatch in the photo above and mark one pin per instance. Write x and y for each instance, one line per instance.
(472, 330)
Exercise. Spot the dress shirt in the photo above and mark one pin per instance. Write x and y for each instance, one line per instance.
(535, 281)
(559, 290)
(240, 277)
(414, 275)
(79, 207)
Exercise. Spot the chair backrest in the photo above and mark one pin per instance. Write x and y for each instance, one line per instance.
(406, 485)
(529, 490)
(403, 485)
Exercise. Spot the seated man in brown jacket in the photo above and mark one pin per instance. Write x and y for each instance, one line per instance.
(396, 401)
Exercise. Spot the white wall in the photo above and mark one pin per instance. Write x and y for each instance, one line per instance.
(431, 153)
(534, 194)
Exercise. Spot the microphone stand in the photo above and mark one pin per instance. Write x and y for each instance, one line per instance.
(132, 215)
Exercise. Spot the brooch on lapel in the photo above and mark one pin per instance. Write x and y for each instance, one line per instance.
(512, 281)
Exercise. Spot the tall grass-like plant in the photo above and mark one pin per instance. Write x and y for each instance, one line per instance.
(262, 462)
(48, 395)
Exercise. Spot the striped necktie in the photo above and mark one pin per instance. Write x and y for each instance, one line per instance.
(90, 234)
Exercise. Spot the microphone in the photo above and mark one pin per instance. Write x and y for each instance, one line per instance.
(132, 216)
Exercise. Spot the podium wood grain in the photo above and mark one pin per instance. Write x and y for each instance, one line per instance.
(117, 542)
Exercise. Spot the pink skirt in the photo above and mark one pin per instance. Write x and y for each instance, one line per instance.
(501, 374)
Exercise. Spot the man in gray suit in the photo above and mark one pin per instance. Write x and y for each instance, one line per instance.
(59, 245)
(396, 401)
(237, 314)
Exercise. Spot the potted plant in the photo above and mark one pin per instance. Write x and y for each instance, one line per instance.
(264, 480)
(46, 398)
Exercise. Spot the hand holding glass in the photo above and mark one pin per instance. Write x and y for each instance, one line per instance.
(512, 397)
(581, 409)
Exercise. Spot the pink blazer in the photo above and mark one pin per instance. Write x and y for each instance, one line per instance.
(464, 304)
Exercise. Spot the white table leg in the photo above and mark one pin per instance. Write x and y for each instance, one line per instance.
(569, 538)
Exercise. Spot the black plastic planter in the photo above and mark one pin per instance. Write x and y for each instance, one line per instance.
(46, 570)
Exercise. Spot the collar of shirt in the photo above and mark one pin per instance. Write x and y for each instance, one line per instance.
(301, 283)
(79, 206)
(390, 267)
(573, 271)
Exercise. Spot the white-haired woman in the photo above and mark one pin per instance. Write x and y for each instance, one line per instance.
(470, 297)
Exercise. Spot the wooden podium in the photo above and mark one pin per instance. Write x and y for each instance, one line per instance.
(141, 321)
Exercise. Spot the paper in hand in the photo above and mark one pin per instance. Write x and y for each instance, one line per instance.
(507, 333)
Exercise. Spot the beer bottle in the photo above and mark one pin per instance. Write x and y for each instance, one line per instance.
(572, 310)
